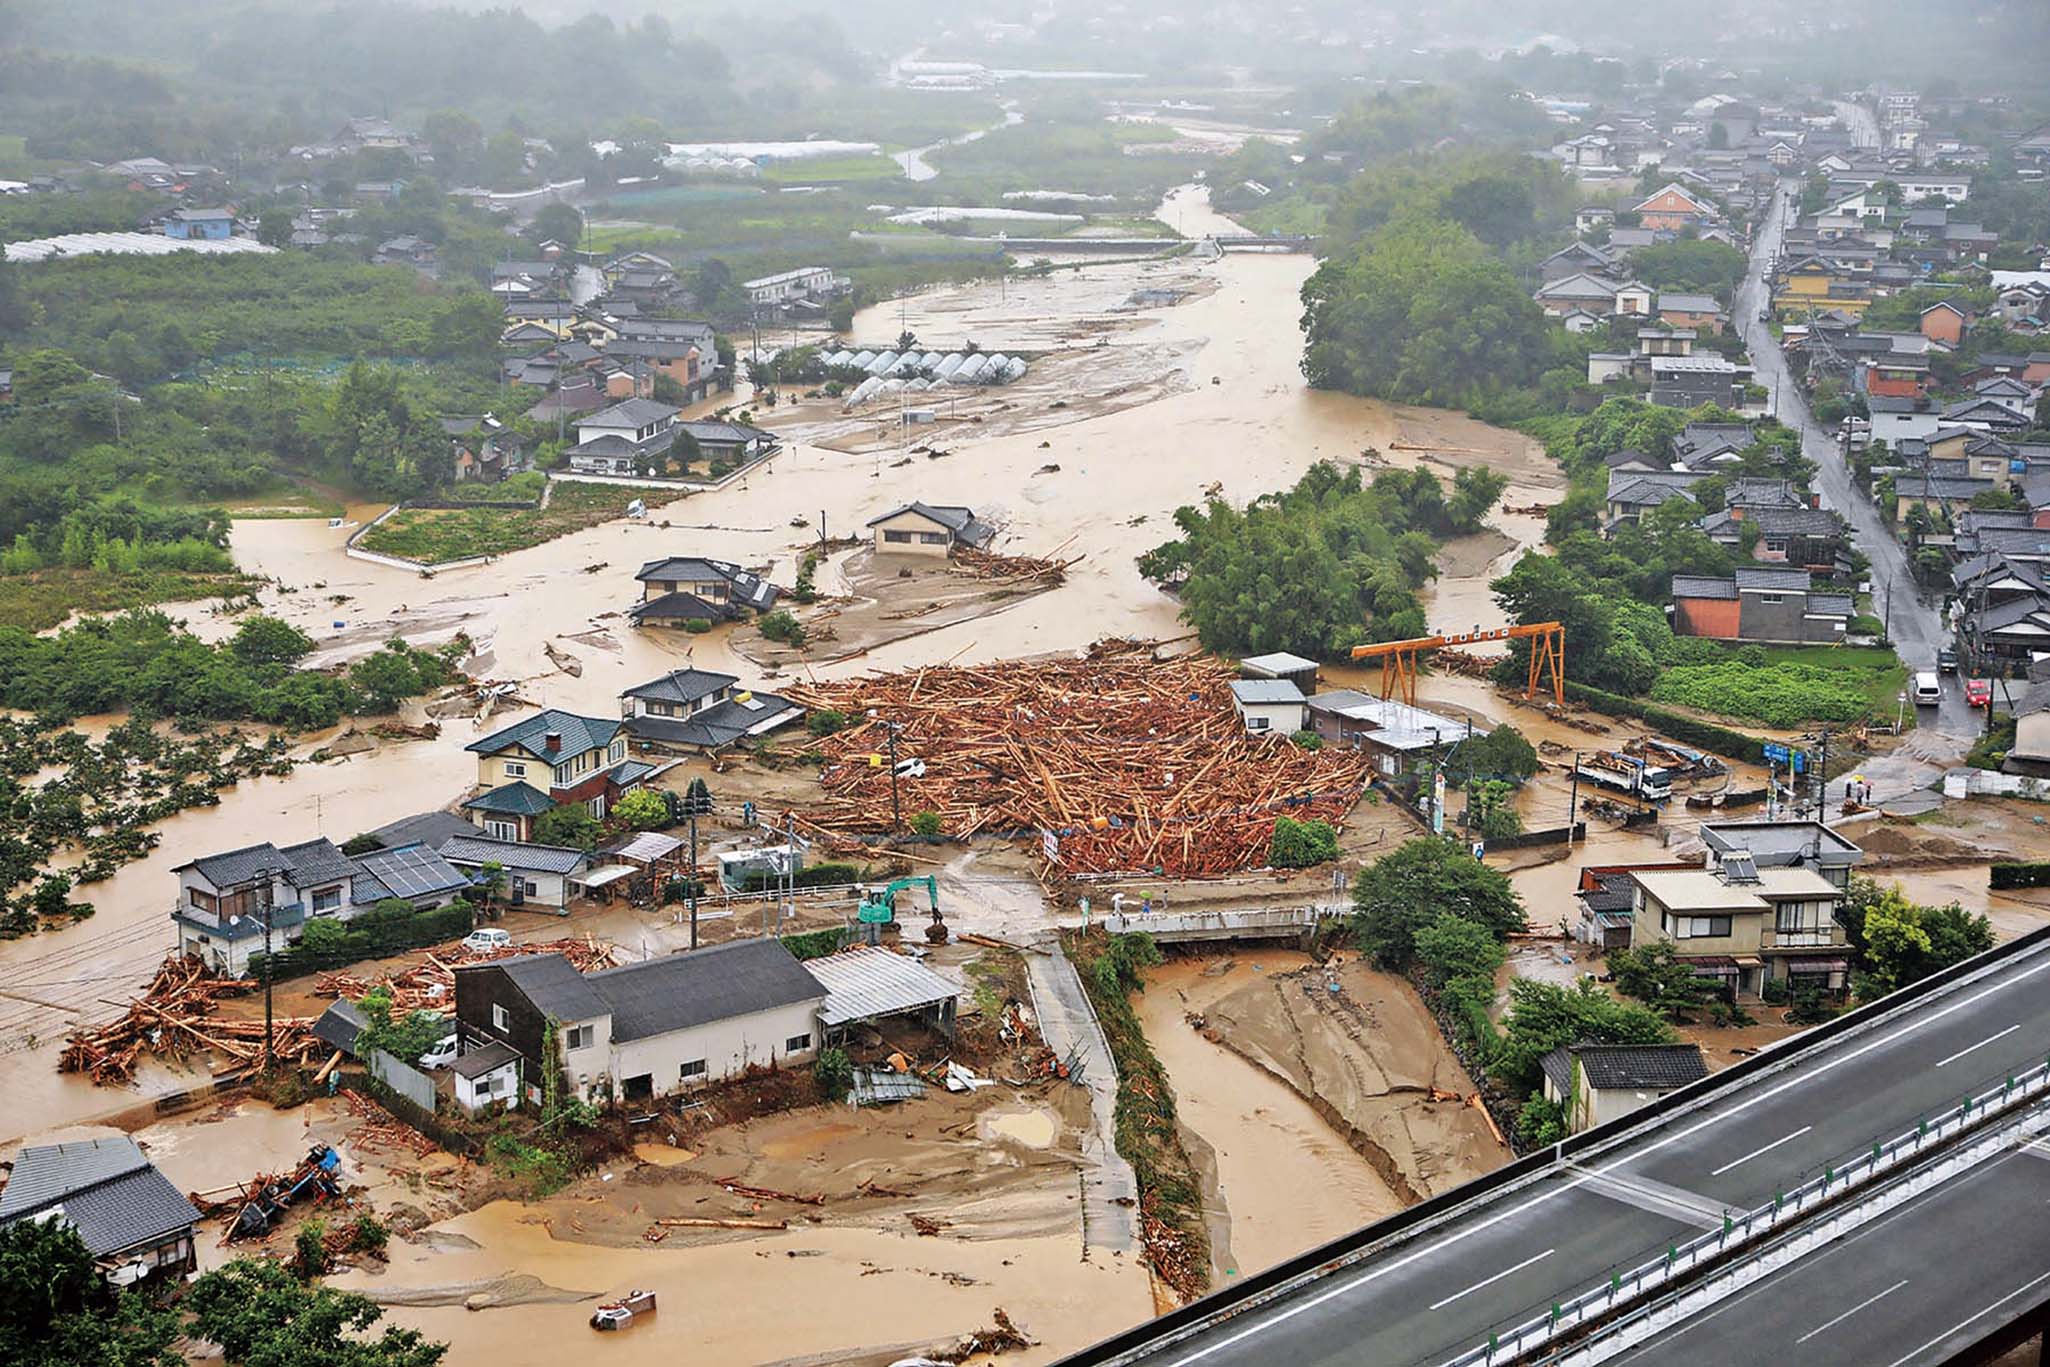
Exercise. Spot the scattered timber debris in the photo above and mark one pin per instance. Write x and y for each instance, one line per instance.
(174, 1018)
(979, 564)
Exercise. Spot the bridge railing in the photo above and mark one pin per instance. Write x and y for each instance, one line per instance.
(1249, 1293)
(1746, 1229)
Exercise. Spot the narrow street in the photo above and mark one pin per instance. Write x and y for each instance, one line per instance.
(1917, 629)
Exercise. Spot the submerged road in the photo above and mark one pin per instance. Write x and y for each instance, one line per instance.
(1437, 1290)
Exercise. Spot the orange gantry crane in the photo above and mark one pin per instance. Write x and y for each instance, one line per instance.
(1399, 658)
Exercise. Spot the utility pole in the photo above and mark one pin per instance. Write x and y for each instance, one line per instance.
(1886, 626)
(692, 886)
(264, 904)
(1822, 780)
(790, 866)
(896, 800)
(1573, 799)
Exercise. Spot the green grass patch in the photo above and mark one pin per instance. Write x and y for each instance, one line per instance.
(39, 601)
(1787, 686)
(433, 535)
(871, 166)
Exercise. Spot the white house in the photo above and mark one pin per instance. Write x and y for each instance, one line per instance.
(1597, 1083)
(646, 1029)
(535, 875)
(806, 282)
(1266, 705)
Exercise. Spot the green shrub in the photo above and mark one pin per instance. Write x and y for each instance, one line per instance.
(370, 936)
(825, 722)
(1307, 740)
(369, 1235)
(925, 823)
(1680, 727)
(1540, 1122)
(309, 1249)
(2020, 875)
(816, 944)
(536, 1172)
(782, 627)
(834, 1073)
(696, 626)
(1301, 844)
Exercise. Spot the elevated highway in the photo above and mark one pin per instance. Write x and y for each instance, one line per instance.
(1435, 1283)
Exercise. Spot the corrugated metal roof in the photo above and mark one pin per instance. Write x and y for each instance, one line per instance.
(866, 982)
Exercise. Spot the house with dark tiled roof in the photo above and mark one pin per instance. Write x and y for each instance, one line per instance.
(548, 759)
(683, 588)
(929, 529)
(647, 1029)
(1760, 604)
(1597, 1083)
(1632, 492)
(699, 711)
(134, 1223)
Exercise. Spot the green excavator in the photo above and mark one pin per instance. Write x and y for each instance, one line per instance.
(879, 908)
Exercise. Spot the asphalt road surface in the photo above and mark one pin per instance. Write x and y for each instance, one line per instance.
(1513, 1252)
(1913, 1287)
(1917, 629)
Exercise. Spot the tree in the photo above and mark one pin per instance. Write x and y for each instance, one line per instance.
(1897, 942)
(1475, 491)
(1410, 887)
(570, 824)
(709, 280)
(642, 809)
(1301, 844)
(391, 675)
(697, 798)
(259, 1313)
(1454, 950)
(1501, 754)
(557, 222)
(57, 1310)
(1545, 1016)
(266, 640)
(1657, 976)
(840, 315)
(274, 228)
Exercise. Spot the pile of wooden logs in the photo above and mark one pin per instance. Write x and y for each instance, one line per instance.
(174, 1018)
(381, 1131)
(1132, 763)
(431, 984)
(980, 564)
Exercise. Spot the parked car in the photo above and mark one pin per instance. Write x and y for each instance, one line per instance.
(441, 1055)
(1946, 660)
(910, 768)
(483, 941)
(1927, 688)
(1978, 692)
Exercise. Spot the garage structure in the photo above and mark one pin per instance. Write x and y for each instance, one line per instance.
(868, 984)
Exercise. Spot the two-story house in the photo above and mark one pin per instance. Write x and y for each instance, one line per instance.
(484, 448)
(551, 758)
(683, 588)
(225, 900)
(621, 439)
(1673, 208)
(1761, 604)
(1743, 926)
(646, 1029)
(200, 225)
(699, 711)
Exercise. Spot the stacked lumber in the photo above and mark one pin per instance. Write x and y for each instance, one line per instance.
(980, 564)
(1134, 763)
(381, 1131)
(174, 1018)
(430, 985)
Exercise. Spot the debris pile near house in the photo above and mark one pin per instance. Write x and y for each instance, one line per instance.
(431, 984)
(1117, 762)
(381, 1131)
(174, 1017)
(980, 564)
(263, 1200)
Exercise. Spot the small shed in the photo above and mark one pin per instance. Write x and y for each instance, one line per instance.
(487, 1077)
(1597, 1083)
(737, 868)
(1268, 705)
(1281, 665)
(868, 983)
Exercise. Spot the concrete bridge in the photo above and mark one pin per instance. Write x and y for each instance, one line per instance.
(1253, 923)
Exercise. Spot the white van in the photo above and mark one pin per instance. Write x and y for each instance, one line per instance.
(1928, 691)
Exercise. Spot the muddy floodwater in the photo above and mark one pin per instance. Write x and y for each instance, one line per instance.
(1280, 1180)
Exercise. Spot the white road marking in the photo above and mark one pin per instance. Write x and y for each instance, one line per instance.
(1852, 1311)
(1900, 1361)
(1739, 1162)
(1490, 1281)
(1802, 1078)
(1980, 1045)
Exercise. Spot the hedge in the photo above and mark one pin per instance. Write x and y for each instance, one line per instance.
(2030, 875)
(373, 941)
(1687, 730)
(817, 944)
(817, 876)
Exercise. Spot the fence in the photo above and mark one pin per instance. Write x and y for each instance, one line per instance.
(406, 1109)
(1558, 835)
(1754, 1226)
(402, 1078)
(1986, 783)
